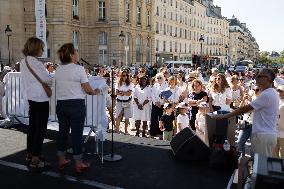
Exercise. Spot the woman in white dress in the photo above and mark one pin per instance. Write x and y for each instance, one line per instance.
(220, 95)
(142, 105)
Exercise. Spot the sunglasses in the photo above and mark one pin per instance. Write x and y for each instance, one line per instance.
(256, 90)
(159, 78)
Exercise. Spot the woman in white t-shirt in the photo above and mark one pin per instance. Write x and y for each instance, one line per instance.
(72, 85)
(37, 99)
(123, 106)
(220, 94)
(142, 106)
(175, 91)
(237, 92)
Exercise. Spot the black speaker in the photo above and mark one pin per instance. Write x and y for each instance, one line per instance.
(218, 130)
(186, 145)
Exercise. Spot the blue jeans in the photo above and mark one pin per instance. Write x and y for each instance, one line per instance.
(71, 114)
(242, 138)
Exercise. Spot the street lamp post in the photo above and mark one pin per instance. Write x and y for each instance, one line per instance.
(122, 38)
(8, 32)
(201, 40)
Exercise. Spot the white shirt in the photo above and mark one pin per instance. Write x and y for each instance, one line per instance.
(32, 88)
(175, 94)
(123, 88)
(68, 79)
(156, 91)
(266, 112)
(183, 120)
(219, 99)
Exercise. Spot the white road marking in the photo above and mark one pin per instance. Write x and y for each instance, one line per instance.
(57, 175)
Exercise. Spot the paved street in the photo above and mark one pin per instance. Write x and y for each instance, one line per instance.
(144, 161)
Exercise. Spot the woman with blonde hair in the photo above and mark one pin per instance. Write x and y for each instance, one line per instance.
(220, 94)
(123, 106)
(38, 101)
(157, 104)
(175, 90)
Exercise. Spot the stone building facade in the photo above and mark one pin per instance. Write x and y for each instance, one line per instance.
(93, 26)
(243, 45)
(11, 13)
(153, 30)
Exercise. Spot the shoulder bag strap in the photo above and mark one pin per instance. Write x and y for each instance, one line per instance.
(32, 71)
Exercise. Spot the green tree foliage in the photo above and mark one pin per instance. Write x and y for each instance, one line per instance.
(264, 58)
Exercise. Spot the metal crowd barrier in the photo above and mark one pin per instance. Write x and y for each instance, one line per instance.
(15, 108)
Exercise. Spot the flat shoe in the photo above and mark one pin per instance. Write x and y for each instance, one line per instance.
(62, 166)
(81, 169)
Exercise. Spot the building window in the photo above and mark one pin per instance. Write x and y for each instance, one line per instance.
(148, 53)
(157, 45)
(139, 15)
(139, 49)
(164, 46)
(157, 27)
(102, 10)
(75, 9)
(148, 20)
(127, 11)
(75, 39)
(103, 59)
(103, 38)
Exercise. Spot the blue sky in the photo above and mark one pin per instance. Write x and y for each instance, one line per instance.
(265, 19)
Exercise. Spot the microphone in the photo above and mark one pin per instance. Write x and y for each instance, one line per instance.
(86, 62)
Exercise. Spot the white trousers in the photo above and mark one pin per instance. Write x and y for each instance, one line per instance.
(263, 143)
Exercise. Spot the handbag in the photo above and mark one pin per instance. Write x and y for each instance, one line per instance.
(45, 86)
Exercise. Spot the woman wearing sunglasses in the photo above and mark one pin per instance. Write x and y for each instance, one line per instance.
(157, 106)
(123, 99)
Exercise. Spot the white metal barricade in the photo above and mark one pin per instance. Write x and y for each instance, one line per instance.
(15, 108)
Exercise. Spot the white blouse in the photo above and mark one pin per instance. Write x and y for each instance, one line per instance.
(156, 91)
(176, 92)
(124, 88)
(219, 99)
(32, 88)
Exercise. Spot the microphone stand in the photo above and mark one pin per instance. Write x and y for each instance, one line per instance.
(112, 157)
